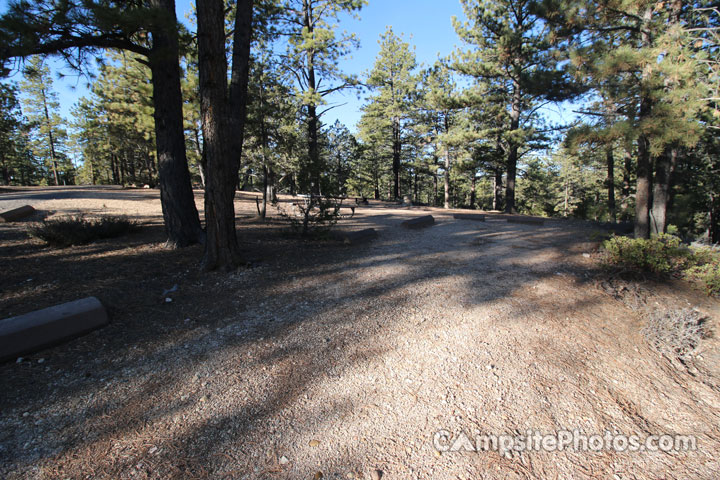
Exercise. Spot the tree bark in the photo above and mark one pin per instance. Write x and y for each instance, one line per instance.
(610, 182)
(664, 168)
(182, 223)
(314, 167)
(446, 204)
(513, 151)
(643, 190)
(644, 167)
(473, 183)
(498, 188)
(627, 172)
(223, 117)
(396, 157)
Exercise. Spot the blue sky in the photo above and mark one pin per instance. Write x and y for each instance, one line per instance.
(426, 24)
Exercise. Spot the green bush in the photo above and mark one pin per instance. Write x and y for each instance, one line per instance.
(79, 230)
(705, 269)
(664, 255)
(661, 254)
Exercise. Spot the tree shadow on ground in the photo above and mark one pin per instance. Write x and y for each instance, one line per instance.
(159, 377)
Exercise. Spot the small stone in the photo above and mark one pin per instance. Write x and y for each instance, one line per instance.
(41, 360)
(152, 450)
(376, 475)
(314, 443)
(586, 255)
(318, 476)
(350, 475)
(283, 460)
(26, 414)
(168, 300)
(19, 360)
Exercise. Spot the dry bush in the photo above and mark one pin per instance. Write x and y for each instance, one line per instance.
(676, 333)
(79, 230)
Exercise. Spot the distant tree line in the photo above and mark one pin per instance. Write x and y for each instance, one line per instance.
(239, 104)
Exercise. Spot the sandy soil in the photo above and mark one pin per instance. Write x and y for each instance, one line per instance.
(329, 361)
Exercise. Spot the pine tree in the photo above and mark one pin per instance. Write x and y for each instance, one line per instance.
(42, 107)
(77, 30)
(313, 53)
(17, 164)
(516, 65)
(640, 49)
(223, 108)
(396, 86)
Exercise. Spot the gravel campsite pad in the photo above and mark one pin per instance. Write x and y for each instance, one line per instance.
(325, 360)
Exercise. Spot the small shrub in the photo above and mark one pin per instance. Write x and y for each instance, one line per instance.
(661, 254)
(79, 230)
(705, 269)
(676, 333)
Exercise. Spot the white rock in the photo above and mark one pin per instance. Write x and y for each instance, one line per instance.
(283, 460)
(168, 299)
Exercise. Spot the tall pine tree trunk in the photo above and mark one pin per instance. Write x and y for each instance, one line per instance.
(313, 121)
(610, 182)
(51, 140)
(182, 223)
(223, 116)
(446, 179)
(498, 188)
(627, 174)
(513, 150)
(644, 167)
(664, 168)
(643, 189)
(396, 157)
(473, 182)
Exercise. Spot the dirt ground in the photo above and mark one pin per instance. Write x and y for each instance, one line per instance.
(322, 360)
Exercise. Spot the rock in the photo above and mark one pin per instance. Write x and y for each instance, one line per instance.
(168, 300)
(419, 222)
(314, 443)
(376, 474)
(283, 460)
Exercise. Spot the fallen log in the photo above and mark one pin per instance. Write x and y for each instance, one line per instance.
(43, 328)
(357, 236)
(419, 222)
(478, 217)
(16, 214)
